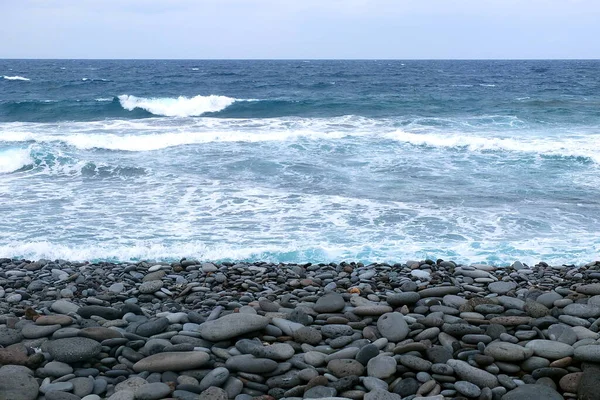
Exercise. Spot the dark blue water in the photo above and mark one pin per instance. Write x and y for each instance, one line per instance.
(480, 161)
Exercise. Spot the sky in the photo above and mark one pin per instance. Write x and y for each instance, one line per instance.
(300, 29)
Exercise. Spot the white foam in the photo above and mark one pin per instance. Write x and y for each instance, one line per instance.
(104, 99)
(581, 146)
(13, 159)
(160, 133)
(177, 107)
(16, 78)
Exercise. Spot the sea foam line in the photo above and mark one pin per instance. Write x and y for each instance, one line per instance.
(585, 146)
(160, 133)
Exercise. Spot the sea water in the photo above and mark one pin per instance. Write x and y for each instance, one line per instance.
(300, 161)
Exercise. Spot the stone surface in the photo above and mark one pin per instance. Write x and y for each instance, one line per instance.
(71, 350)
(503, 351)
(330, 303)
(532, 392)
(550, 349)
(392, 326)
(18, 386)
(474, 375)
(174, 361)
(232, 325)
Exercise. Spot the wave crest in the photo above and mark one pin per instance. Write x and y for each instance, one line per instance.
(16, 78)
(12, 160)
(177, 107)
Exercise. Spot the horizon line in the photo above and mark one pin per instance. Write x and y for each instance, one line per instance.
(296, 59)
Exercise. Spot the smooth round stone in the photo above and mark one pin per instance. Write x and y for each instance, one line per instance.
(57, 395)
(320, 392)
(215, 377)
(589, 383)
(150, 287)
(14, 298)
(122, 395)
(152, 327)
(381, 367)
(152, 391)
(131, 384)
(336, 330)
(474, 339)
(57, 369)
(574, 321)
(330, 303)
(308, 335)
(592, 289)
(366, 353)
(172, 361)
(314, 358)
(18, 386)
(393, 327)
(548, 299)
(348, 352)
(501, 287)
(438, 291)
(213, 393)
(9, 336)
(474, 375)
(534, 363)
(59, 386)
(108, 313)
(550, 349)
(372, 383)
(562, 333)
(467, 388)
(33, 331)
(82, 386)
(91, 397)
(345, 367)
(489, 308)
(232, 325)
(401, 299)
(415, 363)
(582, 310)
(381, 394)
(532, 392)
(503, 351)
(116, 288)
(584, 333)
(525, 335)
(250, 364)
(100, 333)
(57, 319)
(589, 353)
(535, 309)
(71, 350)
(371, 310)
(570, 382)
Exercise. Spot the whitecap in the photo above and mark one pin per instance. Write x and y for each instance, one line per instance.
(12, 160)
(177, 107)
(16, 78)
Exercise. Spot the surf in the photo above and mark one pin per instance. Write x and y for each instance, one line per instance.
(177, 107)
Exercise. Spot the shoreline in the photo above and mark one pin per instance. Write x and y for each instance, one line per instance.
(197, 330)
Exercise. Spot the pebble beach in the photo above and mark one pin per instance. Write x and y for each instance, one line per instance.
(422, 330)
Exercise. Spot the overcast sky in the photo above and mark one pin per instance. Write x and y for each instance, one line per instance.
(199, 29)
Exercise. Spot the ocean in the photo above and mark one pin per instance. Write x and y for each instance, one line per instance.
(300, 161)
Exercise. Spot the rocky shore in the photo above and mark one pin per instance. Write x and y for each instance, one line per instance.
(192, 330)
